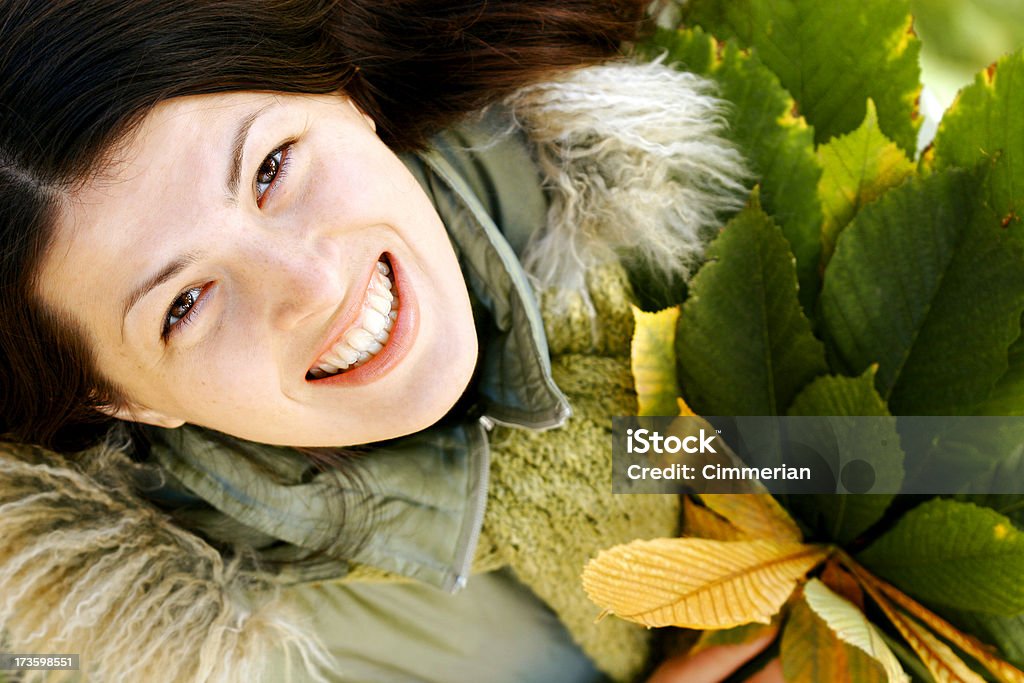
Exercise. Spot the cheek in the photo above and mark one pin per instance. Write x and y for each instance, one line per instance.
(361, 177)
(236, 372)
(223, 386)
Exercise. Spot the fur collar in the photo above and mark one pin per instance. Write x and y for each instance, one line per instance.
(633, 157)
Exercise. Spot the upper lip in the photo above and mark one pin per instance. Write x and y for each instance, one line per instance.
(347, 314)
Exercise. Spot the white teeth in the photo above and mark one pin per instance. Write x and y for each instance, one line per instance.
(370, 333)
(346, 354)
(334, 358)
(379, 303)
(358, 338)
(374, 321)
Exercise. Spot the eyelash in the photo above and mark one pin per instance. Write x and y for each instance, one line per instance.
(194, 295)
(280, 158)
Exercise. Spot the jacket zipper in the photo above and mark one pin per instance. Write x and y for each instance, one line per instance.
(564, 413)
(487, 422)
(461, 576)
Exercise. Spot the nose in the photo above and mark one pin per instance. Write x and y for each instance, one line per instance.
(297, 281)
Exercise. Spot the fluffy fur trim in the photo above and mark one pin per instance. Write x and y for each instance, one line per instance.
(87, 567)
(634, 157)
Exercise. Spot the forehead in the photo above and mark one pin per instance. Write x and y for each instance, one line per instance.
(195, 130)
(152, 186)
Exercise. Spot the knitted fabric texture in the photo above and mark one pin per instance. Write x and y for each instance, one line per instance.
(550, 506)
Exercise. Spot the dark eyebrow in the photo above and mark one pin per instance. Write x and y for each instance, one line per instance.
(165, 274)
(237, 150)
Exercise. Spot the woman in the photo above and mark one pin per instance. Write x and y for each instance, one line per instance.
(211, 245)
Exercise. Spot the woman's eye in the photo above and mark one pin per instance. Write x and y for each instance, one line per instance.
(271, 170)
(180, 308)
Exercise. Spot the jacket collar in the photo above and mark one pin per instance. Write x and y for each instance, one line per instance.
(428, 490)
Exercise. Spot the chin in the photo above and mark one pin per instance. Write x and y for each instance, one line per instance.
(436, 395)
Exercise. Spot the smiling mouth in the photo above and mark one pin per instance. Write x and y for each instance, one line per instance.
(370, 333)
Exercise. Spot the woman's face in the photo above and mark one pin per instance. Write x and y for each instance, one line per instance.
(241, 250)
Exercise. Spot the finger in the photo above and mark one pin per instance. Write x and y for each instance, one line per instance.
(709, 666)
(770, 674)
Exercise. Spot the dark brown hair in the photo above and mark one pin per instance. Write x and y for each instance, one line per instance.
(77, 76)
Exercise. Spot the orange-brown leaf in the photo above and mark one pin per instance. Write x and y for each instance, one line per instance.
(842, 583)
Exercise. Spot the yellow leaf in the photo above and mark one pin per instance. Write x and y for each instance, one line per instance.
(882, 592)
(653, 358)
(703, 523)
(685, 410)
(852, 627)
(812, 653)
(698, 583)
(941, 661)
(758, 515)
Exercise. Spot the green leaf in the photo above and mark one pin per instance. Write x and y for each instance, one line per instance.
(1007, 397)
(653, 361)
(1004, 472)
(955, 554)
(984, 123)
(832, 57)
(833, 395)
(911, 287)
(1007, 504)
(857, 169)
(844, 517)
(812, 652)
(778, 146)
(743, 345)
(982, 455)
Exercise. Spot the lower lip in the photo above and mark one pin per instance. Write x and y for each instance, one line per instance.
(398, 344)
